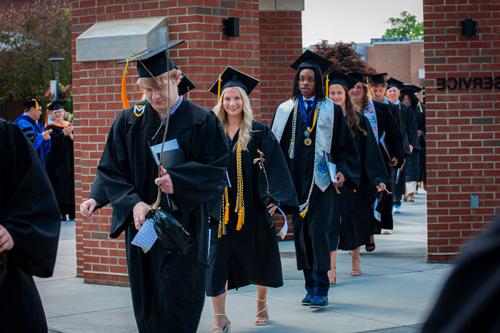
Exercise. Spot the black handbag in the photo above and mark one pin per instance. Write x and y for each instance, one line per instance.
(171, 234)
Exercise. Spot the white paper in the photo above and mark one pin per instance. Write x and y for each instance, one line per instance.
(146, 237)
(284, 230)
(376, 213)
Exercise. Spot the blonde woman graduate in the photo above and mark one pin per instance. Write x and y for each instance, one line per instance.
(357, 207)
(243, 247)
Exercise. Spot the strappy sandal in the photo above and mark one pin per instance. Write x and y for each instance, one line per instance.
(225, 329)
(356, 272)
(259, 319)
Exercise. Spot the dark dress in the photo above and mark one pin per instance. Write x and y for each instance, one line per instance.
(357, 203)
(60, 168)
(394, 144)
(168, 290)
(251, 255)
(312, 235)
(28, 210)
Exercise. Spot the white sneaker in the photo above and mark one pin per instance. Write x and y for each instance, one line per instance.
(396, 210)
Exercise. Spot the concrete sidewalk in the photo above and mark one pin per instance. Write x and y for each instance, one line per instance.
(393, 294)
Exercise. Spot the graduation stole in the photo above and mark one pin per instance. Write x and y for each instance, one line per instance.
(240, 199)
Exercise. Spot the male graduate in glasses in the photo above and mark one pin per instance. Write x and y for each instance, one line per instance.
(168, 288)
(314, 137)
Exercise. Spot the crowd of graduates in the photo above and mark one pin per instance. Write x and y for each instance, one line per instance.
(338, 157)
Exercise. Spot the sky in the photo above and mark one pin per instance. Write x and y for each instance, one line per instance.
(351, 20)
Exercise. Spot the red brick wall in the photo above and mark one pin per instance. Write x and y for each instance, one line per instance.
(204, 55)
(280, 45)
(399, 60)
(463, 126)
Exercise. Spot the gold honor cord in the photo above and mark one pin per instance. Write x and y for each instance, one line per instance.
(304, 208)
(240, 201)
(291, 149)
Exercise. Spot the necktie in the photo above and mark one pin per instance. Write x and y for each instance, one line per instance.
(309, 108)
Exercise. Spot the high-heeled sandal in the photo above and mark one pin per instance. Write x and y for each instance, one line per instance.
(356, 272)
(262, 320)
(225, 329)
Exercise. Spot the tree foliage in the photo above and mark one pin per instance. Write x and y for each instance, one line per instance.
(343, 56)
(30, 33)
(404, 26)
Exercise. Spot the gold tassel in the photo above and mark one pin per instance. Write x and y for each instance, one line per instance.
(241, 219)
(327, 86)
(226, 206)
(125, 103)
(303, 213)
(219, 83)
(219, 232)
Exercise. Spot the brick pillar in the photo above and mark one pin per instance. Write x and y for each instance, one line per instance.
(463, 125)
(97, 97)
(280, 45)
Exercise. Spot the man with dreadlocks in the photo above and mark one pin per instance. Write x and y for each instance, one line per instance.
(167, 283)
(314, 137)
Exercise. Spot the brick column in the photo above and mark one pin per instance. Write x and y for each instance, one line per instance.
(463, 125)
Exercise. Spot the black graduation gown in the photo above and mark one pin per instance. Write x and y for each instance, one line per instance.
(393, 140)
(167, 289)
(251, 255)
(98, 193)
(405, 119)
(312, 235)
(357, 203)
(470, 298)
(60, 168)
(423, 153)
(28, 210)
(412, 172)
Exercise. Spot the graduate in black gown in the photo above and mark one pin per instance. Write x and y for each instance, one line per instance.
(29, 232)
(168, 288)
(311, 129)
(389, 139)
(97, 197)
(470, 298)
(415, 171)
(357, 201)
(408, 126)
(244, 248)
(60, 162)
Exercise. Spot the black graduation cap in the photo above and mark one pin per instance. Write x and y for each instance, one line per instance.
(153, 61)
(411, 88)
(359, 76)
(232, 77)
(185, 85)
(31, 103)
(56, 105)
(337, 77)
(394, 83)
(377, 78)
(311, 60)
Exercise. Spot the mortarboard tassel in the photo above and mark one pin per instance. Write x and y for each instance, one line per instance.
(327, 86)
(219, 83)
(125, 103)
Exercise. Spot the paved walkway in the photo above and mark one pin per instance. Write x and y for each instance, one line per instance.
(393, 294)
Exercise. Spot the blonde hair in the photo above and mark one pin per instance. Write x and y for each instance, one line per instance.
(246, 123)
(159, 82)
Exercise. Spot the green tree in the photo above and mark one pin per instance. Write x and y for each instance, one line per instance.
(30, 33)
(404, 26)
(343, 56)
